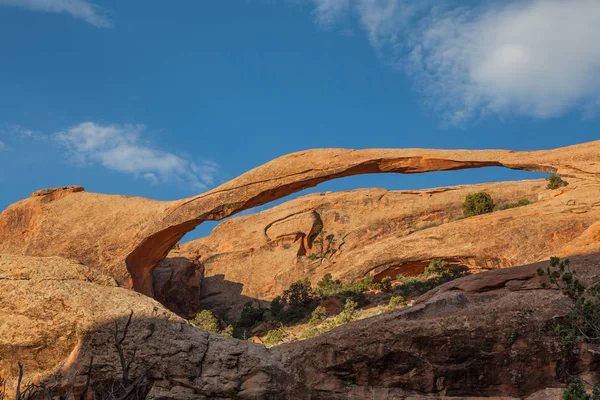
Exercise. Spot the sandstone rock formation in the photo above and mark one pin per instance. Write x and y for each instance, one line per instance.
(176, 284)
(384, 233)
(484, 335)
(128, 237)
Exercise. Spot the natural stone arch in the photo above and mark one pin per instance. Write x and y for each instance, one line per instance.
(129, 237)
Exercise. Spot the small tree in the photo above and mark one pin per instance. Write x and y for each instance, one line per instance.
(435, 267)
(576, 391)
(250, 315)
(318, 315)
(276, 307)
(299, 294)
(555, 182)
(386, 284)
(348, 314)
(274, 336)
(396, 302)
(206, 320)
(477, 204)
(582, 322)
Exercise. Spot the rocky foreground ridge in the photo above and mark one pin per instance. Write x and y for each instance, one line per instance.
(483, 335)
(70, 257)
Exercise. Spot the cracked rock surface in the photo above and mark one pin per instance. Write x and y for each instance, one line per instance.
(484, 335)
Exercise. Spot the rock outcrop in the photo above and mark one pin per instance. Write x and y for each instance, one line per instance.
(484, 335)
(128, 237)
(384, 233)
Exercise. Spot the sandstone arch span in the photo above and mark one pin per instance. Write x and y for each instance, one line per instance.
(128, 236)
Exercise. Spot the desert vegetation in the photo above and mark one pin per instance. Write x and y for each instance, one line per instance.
(555, 182)
(582, 323)
(474, 204)
(477, 204)
(298, 313)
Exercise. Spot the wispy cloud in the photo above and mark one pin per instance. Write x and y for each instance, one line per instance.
(537, 58)
(21, 132)
(328, 12)
(79, 9)
(121, 148)
(3, 146)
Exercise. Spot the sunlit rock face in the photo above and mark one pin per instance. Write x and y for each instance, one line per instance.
(127, 237)
(385, 233)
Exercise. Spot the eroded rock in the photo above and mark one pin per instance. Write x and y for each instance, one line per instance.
(128, 237)
(483, 335)
(385, 233)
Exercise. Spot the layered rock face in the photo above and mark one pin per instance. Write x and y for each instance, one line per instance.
(69, 252)
(128, 237)
(488, 334)
(384, 233)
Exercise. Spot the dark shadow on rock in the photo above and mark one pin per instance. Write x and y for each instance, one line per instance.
(176, 285)
(224, 298)
(483, 335)
(179, 360)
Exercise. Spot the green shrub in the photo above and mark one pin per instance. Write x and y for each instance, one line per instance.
(206, 320)
(318, 315)
(555, 182)
(386, 284)
(273, 337)
(506, 206)
(299, 294)
(582, 323)
(315, 330)
(326, 281)
(412, 286)
(295, 314)
(583, 320)
(354, 291)
(348, 314)
(250, 315)
(228, 331)
(328, 287)
(396, 302)
(276, 307)
(356, 296)
(576, 391)
(477, 204)
(435, 267)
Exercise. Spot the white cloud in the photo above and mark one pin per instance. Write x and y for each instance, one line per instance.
(79, 9)
(536, 58)
(120, 148)
(328, 11)
(19, 131)
(3, 146)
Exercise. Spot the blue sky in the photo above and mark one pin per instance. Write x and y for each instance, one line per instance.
(168, 99)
